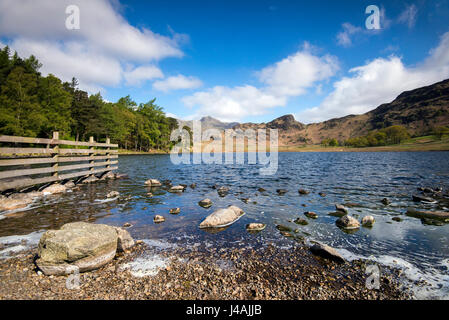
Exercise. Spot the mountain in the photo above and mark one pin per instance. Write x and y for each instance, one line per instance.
(418, 110)
(209, 123)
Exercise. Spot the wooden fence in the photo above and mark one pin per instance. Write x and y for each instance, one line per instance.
(45, 161)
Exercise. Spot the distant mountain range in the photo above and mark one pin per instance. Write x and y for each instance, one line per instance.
(418, 110)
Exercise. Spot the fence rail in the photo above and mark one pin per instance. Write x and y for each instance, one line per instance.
(26, 166)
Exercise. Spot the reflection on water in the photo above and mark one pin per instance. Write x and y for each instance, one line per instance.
(360, 179)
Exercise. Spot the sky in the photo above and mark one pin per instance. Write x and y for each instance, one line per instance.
(246, 61)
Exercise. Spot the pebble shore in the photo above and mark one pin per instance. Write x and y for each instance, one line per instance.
(224, 274)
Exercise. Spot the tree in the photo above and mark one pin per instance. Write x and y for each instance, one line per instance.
(440, 131)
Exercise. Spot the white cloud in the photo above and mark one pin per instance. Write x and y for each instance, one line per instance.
(177, 83)
(379, 81)
(141, 74)
(344, 37)
(408, 16)
(289, 77)
(96, 53)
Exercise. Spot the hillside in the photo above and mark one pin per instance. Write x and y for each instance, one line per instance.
(418, 110)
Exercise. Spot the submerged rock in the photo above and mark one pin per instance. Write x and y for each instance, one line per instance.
(303, 191)
(193, 186)
(322, 194)
(418, 198)
(158, 219)
(341, 208)
(205, 203)
(222, 217)
(76, 246)
(301, 221)
(121, 176)
(54, 188)
(69, 184)
(281, 191)
(283, 228)
(90, 179)
(153, 183)
(175, 210)
(108, 176)
(327, 252)
(311, 215)
(439, 215)
(261, 190)
(15, 201)
(223, 191)
(255, 226)
(368, 221)
(348, 222)
(385, 201)
(397, 219)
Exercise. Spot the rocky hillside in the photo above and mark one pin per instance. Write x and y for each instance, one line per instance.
(209, 123)
(418, 110)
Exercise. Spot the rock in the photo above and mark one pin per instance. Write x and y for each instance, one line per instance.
(368, 221)
(175, 211)
(338, 214)
(176, 189)
(301, 221)
(124, 241)
(341, 208)
(327, 252)
(121, 176)
(113, 194)
(15, 201)
(193, 186)
(127, 225)
(283, 228)
(255, 226)
(223, 191)
(222, 217)
(348, 222)
(286, 234)
(206, 203)
(108, 176)
(153, 183)
(158, 219)
(303, 191)
(418, 198)
(69, 184)
(245, 200)
(90, 179)
(76, 245)
(261, 190)
(311, 215)
(439, 215)
(281, 191)
(385, 201)
(54, 188)
(322, 194)
(397, 219)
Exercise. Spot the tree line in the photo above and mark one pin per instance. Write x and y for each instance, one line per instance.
(32, 105)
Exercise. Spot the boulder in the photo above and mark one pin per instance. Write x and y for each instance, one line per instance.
(341, 208)
(326, 252)
(175, 210)
(368, 221)
(158, 219)
(418, 198)
(124, 240)
(222, 217)
(206, 203)
(113, 194)
(90, 179)
(54, 188)
(153, 183)
(311, 215)
(176, 189)
(255, 226)
(77, 245)
(348, 222)
(303, 191)
(15, 201)
(438, 215)
(223, 191)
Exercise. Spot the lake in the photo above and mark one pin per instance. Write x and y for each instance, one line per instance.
(363, 179)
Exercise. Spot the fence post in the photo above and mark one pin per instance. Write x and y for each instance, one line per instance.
(108, 141)
(91, 155)
(56, 154)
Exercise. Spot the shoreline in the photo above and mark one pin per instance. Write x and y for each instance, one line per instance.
(269, 273)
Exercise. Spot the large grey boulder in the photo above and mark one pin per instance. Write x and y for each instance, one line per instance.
(222, 217)
(80, 246)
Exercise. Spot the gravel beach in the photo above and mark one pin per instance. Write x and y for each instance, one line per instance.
(220, 274)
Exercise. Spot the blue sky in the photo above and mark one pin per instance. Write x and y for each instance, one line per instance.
(238, 60)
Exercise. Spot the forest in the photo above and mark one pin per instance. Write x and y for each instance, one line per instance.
(32, 105)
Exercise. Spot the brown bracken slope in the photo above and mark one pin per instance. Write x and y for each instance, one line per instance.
(418, 110)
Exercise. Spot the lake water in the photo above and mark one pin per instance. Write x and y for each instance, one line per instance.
(362, 178)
